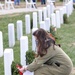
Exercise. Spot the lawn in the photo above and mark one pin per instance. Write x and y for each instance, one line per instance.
(66, 36)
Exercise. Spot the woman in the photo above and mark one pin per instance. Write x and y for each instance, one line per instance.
(51, 60)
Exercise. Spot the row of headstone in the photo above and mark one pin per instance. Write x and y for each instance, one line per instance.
(58, 16)
(48, 10)
(11, 31)
(55, 18)
(41, 13)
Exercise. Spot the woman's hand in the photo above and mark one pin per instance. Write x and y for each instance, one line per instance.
(23, 69)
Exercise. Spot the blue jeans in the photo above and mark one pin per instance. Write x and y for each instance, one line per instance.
(16, 2)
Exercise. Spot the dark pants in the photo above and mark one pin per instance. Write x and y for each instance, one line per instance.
(34, 4)
(43, 1)
(34, 1)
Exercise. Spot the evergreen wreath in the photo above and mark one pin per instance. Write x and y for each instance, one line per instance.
(14, 69)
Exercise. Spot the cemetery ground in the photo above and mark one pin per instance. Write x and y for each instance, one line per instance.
(66, 37)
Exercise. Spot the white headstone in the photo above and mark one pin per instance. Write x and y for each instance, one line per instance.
(52, 8)
(1, 44)
(57, 19)
(27, 23)
(48, 11)
(19, 29)
(61, 15)
(53, 19)
(8, 58)
(72, 6)
(11, 34)
(47, 24)
(42, 25)
(33, 39)
(44, 13)
(40, 15)
(23, 49)
(64, 10)
(64, 2)
(67, 9)
(34, 19)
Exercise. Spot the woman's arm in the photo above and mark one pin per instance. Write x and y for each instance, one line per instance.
(39, 61)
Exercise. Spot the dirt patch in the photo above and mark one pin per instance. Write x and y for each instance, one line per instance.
(58, 3)
(10, 15)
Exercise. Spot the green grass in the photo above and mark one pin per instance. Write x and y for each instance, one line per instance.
(66, 36)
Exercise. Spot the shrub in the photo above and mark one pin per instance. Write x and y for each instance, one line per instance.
(30, 55)
(74, 6)
(65, 18)
(61, 0)
(53, 34)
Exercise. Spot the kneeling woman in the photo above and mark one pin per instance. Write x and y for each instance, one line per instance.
(51, 60)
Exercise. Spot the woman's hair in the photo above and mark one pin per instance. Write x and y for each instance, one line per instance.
(44, 41)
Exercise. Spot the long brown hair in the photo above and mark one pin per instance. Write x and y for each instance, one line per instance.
(44, 41)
